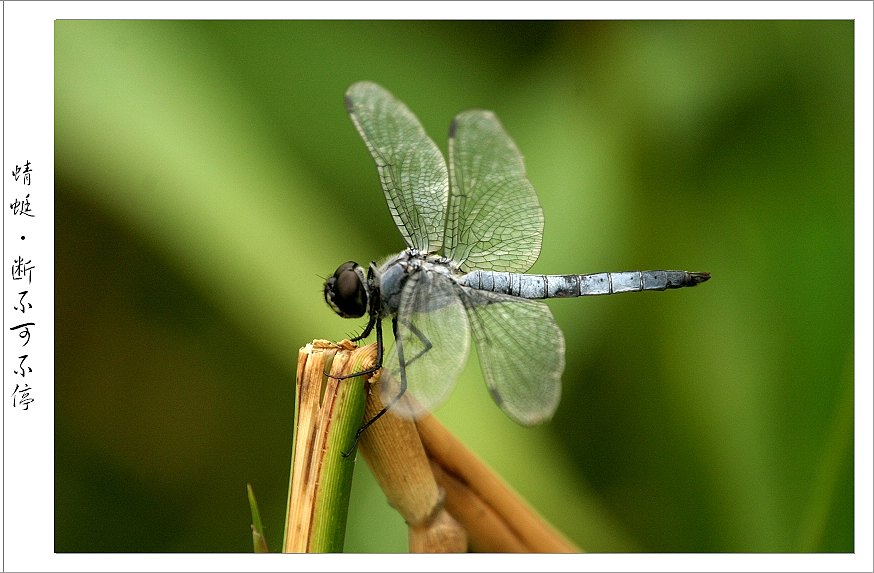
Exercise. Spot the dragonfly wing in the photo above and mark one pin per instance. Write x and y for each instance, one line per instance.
(521, 353)
(411, 168)
(431, 344)
(494, 219)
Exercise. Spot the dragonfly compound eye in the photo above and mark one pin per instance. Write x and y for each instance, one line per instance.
(345, 291)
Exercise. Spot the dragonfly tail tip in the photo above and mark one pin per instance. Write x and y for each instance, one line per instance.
(699, 278)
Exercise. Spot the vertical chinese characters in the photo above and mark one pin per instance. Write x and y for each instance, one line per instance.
(22, 267)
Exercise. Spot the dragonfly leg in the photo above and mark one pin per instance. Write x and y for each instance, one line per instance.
(376, 365)
(403, 372)
(371, 322)
(422, 338)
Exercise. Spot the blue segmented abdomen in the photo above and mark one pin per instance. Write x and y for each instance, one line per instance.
(565, 286)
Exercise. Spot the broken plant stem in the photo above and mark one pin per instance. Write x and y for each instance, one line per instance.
(328, 412)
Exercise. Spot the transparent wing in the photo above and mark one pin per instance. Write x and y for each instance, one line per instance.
(494, 220)
(521, 353)
(430, 347)
(411, 168)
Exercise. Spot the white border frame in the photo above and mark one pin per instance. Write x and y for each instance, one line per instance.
(28, 444)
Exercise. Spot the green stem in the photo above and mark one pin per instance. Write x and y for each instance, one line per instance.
(332, 501)
(259, 543)
(325, 425)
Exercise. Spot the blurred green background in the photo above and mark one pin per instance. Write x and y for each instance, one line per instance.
(207, 177)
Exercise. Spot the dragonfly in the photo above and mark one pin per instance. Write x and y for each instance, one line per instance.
(473, 226)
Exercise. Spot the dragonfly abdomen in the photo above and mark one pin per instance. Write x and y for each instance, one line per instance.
(565, 286)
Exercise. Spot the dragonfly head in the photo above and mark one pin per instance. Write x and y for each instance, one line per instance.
(346, 291)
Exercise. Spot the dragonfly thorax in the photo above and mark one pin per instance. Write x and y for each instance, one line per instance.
(395, 271)
(346, 291)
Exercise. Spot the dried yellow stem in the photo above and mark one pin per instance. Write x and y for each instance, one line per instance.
(394, 453)
(495, 517)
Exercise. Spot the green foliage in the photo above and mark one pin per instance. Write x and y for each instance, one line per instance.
(259, 543)
(208, 175)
